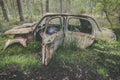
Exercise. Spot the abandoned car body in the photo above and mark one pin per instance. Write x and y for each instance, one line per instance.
(54, 29)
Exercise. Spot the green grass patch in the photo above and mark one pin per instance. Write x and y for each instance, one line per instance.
(26, 58)
(24, 61)
(101, 58)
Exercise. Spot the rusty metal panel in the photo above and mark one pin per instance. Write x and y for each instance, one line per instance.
(81, 40)
(23, 29)
(50, 45)
(19, 31)
(20, 40)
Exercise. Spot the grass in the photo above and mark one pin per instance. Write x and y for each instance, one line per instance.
(101, 58)
(108, 61)
(26, 58)
(24, 61)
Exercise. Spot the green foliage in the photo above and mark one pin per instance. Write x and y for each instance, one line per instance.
(34, 46)
(7, 25)
(110, 8)
(108, 47)
(102, 58)
(15, 49)
(103, 72)
(24, 61)
(108, 61)
(25, 58)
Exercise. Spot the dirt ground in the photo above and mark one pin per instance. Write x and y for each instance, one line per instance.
(48, 73)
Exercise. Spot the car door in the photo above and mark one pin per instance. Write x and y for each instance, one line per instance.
(79, 31)
(52, 38)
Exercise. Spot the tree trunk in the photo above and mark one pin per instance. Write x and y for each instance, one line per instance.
(47, 5)
(91, 7)
(41, 6)
(69, 5)
(4, 10)
(20, 10)
(12, 8)
(107, 16)
(119, 19)
(61, 6)
(119, 16)
(7, 7)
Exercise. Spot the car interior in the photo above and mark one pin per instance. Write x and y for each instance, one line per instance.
(80, 25)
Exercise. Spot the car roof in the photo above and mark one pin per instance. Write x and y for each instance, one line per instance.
(68, 14)
(74, 15)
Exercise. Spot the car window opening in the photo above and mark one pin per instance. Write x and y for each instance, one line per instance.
(80, 25)
(52, 28)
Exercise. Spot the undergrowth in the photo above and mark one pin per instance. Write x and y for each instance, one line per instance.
(24, 61)
(102, 58)
(24, 57)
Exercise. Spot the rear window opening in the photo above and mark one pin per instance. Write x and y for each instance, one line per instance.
(79, 25)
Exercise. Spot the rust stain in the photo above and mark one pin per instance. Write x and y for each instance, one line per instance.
(20, 40)
(79, 34)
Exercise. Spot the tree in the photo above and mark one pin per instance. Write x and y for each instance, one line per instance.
(69, 1)
(41, 6)
(91, 7)
(12, 8)
(4, 10)
(20, 10)
(110, 8)
(61, 6)
(105, 9)
(47, 5)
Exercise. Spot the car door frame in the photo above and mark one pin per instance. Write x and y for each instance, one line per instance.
(78, 38)
(51, 43)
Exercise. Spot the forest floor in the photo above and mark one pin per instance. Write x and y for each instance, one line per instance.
(101, 61)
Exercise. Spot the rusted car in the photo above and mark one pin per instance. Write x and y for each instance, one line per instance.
(54, 29)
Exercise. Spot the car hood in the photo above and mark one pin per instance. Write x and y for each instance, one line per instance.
(23, 29)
